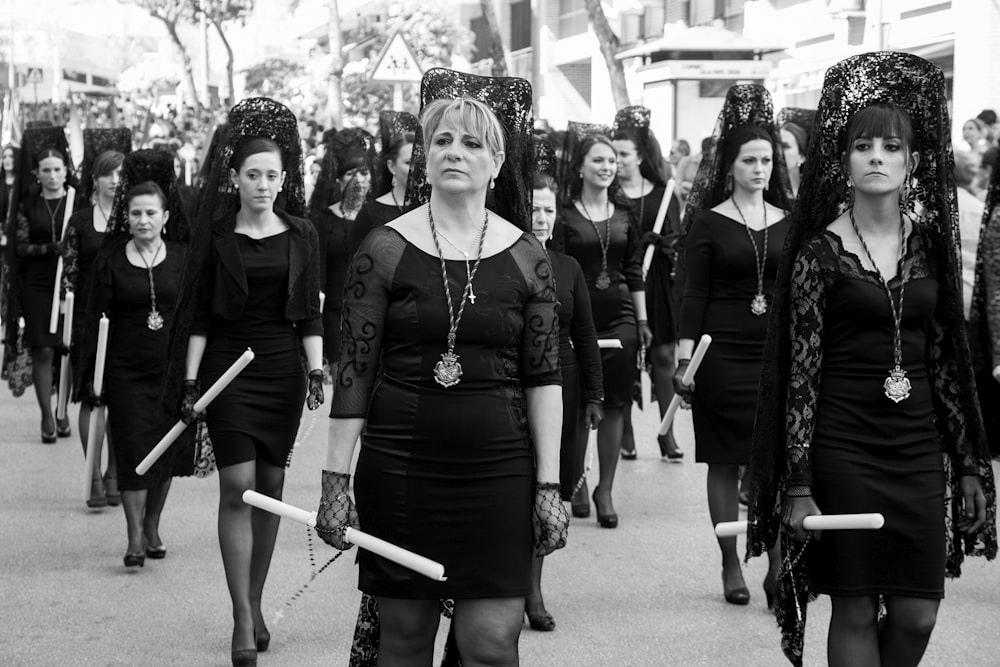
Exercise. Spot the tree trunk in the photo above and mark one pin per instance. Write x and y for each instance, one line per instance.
(230, 98)
(609, 47)
(335, 100)
(187, 82)
(496, 40)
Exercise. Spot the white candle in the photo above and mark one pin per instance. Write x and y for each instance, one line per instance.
(661, 215)
(609, 343)
(93, 446)
(199, 406)
(54, 312)
(419, 564)
(67, 337)
(675, 402)
(872, 521)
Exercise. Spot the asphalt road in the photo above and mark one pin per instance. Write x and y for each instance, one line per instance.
(647, 593)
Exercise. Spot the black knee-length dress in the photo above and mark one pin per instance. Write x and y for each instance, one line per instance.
(446, 472)
(868, 453)
(136, 359)
(39, 225)
(614, 313)
(721, 281)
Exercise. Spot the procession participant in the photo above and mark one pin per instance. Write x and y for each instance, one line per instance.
(582, 381)
(38, 213)
(602, 236)
(643, 183)
(796, 128)
(103, 153)
(397, 132)
(733, 231)
(343, 185)
(8, 173)
(867, 400)
(984, 313)
(464, 492)
(135, 281)
(252, 282)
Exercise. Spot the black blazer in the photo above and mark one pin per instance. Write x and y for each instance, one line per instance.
(226, 296)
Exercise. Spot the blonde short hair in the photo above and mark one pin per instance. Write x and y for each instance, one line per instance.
(467, 114)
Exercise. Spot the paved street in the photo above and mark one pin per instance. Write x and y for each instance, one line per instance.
(648, 593)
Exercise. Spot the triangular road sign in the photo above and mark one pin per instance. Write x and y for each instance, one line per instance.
(396, 62)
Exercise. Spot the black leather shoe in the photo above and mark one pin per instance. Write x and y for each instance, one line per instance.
(738, 595)
(263, 639)
(246, 657)
(158, 553)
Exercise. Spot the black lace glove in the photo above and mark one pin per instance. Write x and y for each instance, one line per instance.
(93, 400)
(336, 510)
(315, 397)
(683, 390)
(549, 519)
(189, 396)
(62, 349)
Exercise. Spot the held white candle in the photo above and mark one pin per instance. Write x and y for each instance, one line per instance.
(199, 406)
(872, 521)
(675, 402)
(609, 343)
(408, 559)
(54, 312)
(282, 509)
(67, 337)
(661, 215)
(93, 446)
(322, 301)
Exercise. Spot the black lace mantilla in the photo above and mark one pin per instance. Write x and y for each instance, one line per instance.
(95, 142)
(510, 99)
(545, 156)
(851, 85)
(349, 144)
(139, 167)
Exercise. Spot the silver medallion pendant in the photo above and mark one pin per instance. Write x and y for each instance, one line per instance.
(758, 305)
(448, 372)
(154, 320)
(897, 386)
(603, 281)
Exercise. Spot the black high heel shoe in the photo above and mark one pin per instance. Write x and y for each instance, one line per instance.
(63, 431)
(770, 588)
(669, 449)
(245, 657)
(263, 639)
(604, 520)
(134, 560)
(737, 595)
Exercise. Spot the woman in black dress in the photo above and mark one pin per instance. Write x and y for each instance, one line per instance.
(40, 217)
(136, 280)
(397, 129)
(343, 186)
(795, 127)
(254, 283)
(450, 376)
(735, 227)
(579, 363)
(83, 239)
(868, 402)
(639, 173)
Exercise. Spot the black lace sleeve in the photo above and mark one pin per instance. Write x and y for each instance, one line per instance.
(23, 245)
(583, 333)
(808, 300)
(698, 253)
(366, 302)
(539, 358)
(632, 261)
(989, 252)
(71, 259)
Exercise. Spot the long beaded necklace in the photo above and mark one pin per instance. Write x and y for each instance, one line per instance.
(154, 321)
(758, 304)
(52, 215)
(468, 273)
(448, 371)
(896, 385)
(603, 279)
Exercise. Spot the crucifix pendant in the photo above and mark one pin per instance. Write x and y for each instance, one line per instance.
(472, 295)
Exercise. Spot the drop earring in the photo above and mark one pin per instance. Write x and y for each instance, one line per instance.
(492, 183)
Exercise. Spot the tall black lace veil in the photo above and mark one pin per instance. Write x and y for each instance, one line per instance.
(979, 334)
(746, 104)
(219, 202)
(510, 100)
(138, 167)
(349, 145)
(851, 85)
(634, 121)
